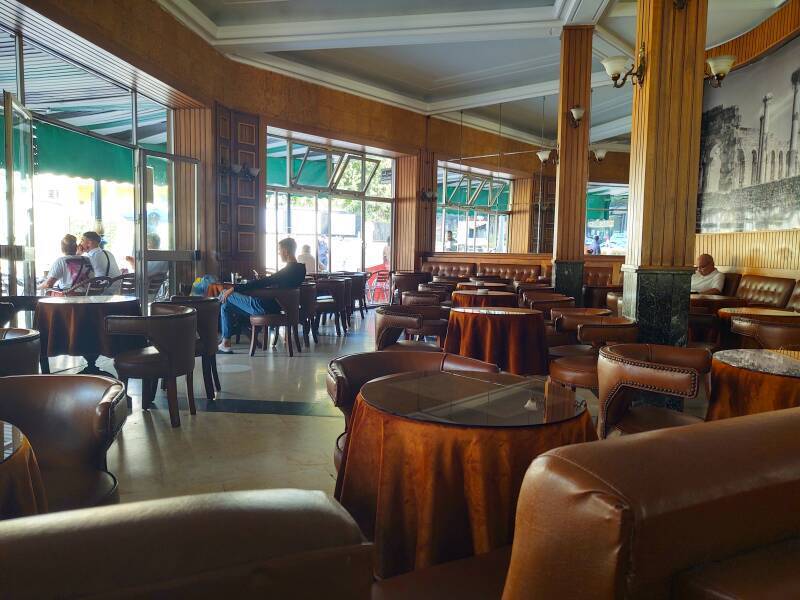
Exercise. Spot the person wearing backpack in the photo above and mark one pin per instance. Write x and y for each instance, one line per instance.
(70, 269)
(103, 262)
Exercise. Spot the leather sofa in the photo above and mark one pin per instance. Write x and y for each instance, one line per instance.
(511, 272)
(70, 421)
(19, 351)
(597, 283)
(704, 511)
(794, 299)
(759, 290)
(449, 269)
(251, 544)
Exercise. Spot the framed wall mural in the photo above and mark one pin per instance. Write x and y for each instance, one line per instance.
(750, 145)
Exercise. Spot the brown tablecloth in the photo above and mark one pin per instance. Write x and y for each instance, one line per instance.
(511, 338)
(429, 493)
(473, 298)
(489, 285)
(75, 325)
(736, 391)
(21, 490)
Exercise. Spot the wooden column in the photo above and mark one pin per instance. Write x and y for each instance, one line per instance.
(665, 148)
(414, 210)
(520, 222)
(573, 167)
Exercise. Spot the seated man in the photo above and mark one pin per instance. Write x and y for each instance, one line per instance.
(235, 302)
(707, 280)
(69, 269)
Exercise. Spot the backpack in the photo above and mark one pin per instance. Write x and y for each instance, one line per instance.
(80, 269)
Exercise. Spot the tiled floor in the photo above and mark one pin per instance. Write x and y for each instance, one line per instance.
(273, 424)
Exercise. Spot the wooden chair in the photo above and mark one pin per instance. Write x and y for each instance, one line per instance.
(172, 330)
(331, 300)
(379, 283)
(308, 311)
(288, 318)
(206, 344)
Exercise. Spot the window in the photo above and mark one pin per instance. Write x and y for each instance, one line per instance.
(606, 219)
(334, 200)
(472, 210)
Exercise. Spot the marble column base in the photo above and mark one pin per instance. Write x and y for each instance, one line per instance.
(659, 301)
(568, 279)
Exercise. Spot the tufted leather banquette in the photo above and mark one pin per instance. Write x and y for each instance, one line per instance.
(449, 269)
(794, 299)
(765, 291)
(511, 272)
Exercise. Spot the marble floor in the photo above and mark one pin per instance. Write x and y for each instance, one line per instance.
(272, 425)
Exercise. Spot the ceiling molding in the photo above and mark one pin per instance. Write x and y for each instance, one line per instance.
(436, 28)
(601, 132)
(191, 16)
(509, 68)
(580, 12)
(605, 44)
(628, 9)
(611, 147)
(490, 126)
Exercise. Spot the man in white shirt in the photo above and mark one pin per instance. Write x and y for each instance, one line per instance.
(707, 280)
(103, 262)
(306, 258)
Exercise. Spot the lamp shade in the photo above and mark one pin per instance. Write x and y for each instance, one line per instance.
(577, 112)
(720, 65)
(600, 154)
(544, 155)
(615, 65)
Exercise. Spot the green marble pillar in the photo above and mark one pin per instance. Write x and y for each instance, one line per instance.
(568, 279)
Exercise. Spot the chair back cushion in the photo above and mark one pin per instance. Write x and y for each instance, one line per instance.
(70, 420)
(173, 330)
(334, 288)
(19, 351)
(6, 312)
(207, 319)
(732, 280)
(636, 511)
(765, 291)
(597, 276)
(770, 335)
(287, 298)
(449, 269)
(794, 299)
(308, 300)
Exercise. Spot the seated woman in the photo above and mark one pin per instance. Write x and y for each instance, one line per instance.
(234, 302)
(69, 269)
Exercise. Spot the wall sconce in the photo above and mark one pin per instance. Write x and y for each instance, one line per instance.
(544, 157)
(599, 154)
(236, 168)
(244, 170)
(576, 115)
(615, 67)
(719, 66)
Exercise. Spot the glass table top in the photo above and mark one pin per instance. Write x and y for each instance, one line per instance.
(498, 310)
(471, 399)
(12, 440)
(87, 299)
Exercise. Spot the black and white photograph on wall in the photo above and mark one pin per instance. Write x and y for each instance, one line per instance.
(749, 164)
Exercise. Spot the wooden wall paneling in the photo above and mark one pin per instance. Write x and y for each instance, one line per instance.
(775, 31)
(572, 173)
(520, 221)
(246, 194)
(405, 213)
(765, 252)
(223, 138)
(666, 124)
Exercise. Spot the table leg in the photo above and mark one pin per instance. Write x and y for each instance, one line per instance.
(91, 366)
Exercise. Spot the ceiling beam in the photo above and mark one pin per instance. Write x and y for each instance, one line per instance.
(611, 129)
(628, 9)
(580, 12)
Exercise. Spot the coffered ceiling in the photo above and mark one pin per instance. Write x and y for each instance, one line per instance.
(494, 65)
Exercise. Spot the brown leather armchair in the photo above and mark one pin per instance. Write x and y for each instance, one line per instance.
(546, 301)
(406, 282)
(347, 374)
(614, 303)
(624, 369)
(392, 321)
(19, 351)
(70, 421)
(172, 330)
(7, 311)
(288, 318)
(207, 334)
(580, 370)
(249, 544)
(775, 336)
(706, 511)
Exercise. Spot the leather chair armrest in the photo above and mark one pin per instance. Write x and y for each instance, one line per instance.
(336, 382)
(280, 543)
(118, 325)
(110, 416)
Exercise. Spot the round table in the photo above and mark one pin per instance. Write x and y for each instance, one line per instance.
(75, 325)
(20, 480)
(487, 285)
(511, 338)
(713, 302)
(434, 461)
(772, 315)
(484, 299)
(745, 382)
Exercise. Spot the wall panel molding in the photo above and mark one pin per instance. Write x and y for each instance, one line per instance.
(770, 252)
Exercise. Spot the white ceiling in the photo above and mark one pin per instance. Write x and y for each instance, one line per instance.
(492, 64)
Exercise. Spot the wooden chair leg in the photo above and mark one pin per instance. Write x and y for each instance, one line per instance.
(172, 402)
(315, 329)
(254, 339)
(214, 373)
(361, 302)
(296, 334)
(149, 387)
(307, 332)
(288, 335)
(208, 379)
(276, 337)
(337, 318)
(128, 399)
(344, 320)
(190, 393)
